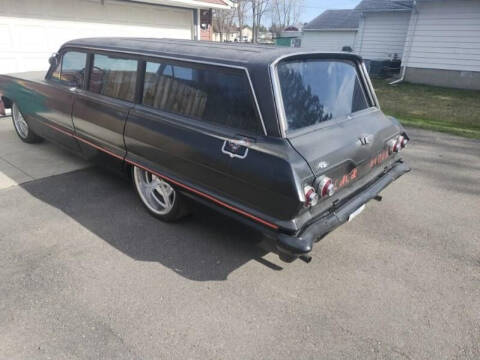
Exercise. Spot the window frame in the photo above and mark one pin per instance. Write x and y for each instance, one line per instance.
(208, 66)
(142, 58)
(114, 54)
(61, 54)
(370, 96)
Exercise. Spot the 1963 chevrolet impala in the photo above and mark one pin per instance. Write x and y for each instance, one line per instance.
(293, 143)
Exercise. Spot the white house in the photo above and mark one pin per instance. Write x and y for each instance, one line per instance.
(332, 30)
(233, 35)
(443, 44)
(31, 30)
(383, 28)
(438, 41)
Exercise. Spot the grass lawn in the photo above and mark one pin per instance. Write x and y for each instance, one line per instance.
(448, 110)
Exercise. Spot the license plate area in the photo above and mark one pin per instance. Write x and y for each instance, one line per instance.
(357, 212)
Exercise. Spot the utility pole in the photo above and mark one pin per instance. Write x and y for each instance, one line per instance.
(254, 27)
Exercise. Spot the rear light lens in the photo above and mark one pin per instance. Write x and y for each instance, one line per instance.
(397, 144)
(391, 145)
(326, 188)
(311, 196)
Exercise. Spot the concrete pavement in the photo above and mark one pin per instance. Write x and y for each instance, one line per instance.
(20, 162)
(85, 273)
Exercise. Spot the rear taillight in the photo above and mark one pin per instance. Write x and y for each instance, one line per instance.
(397, 144)
(326, 188)
(311, 196)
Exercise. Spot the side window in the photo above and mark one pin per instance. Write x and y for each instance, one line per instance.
(213, 95)
(71, 69)
(114, 77)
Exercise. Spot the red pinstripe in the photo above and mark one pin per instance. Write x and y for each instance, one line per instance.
(195, 191)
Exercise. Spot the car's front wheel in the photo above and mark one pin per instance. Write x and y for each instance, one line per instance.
(159, 197)
(23, 130)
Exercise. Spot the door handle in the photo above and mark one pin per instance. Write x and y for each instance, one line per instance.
(236, 148)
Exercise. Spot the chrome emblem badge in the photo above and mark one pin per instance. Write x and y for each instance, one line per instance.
(365, 140)
(322, 165)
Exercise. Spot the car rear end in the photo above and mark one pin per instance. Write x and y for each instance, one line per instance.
(329, 114)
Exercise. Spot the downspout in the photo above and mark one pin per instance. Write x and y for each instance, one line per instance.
(410, 44)
(196, 24)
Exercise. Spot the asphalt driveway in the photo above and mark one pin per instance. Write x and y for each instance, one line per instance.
(85, 273)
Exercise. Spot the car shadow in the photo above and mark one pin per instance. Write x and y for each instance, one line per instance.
(204, 246)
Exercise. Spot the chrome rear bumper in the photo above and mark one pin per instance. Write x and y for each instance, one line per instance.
(290, 247)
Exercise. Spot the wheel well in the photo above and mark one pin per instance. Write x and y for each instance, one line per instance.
(7, 102)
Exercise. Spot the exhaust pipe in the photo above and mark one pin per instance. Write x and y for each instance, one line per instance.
(305, 258)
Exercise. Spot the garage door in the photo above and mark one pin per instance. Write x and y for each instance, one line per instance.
(31, 30)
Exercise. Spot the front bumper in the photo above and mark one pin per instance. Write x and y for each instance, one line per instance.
(300, 244)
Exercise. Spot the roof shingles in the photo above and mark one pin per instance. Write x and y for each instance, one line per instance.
(335, 19)
(385, 5)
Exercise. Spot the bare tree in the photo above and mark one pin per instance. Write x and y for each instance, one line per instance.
(223, 22)
(285, 13)
(259, 8)
(242, 10)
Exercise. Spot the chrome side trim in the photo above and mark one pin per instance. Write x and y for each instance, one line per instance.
(176, 182)
(370, 85)
(256, 101)
(277, 95)
(174, 58)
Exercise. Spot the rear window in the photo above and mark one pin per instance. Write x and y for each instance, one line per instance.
(212, 95)
(315, 91)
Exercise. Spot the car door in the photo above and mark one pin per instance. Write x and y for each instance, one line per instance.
(198, 124)
(100, 111)
(168, 131)
(58, 97)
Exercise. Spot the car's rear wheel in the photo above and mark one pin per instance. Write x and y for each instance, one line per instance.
(160, 198)
(23, 130)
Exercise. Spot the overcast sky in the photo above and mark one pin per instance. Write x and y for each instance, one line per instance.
(313, 8)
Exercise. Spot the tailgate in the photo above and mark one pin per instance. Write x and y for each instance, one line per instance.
(349, 150)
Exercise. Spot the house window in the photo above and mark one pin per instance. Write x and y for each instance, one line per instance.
(210, 94)
(114, 77)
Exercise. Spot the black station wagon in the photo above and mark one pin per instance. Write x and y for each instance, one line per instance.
(291, 142)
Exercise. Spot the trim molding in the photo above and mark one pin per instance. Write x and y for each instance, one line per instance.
(186, 187)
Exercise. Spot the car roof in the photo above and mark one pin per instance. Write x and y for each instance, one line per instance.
(240, 54)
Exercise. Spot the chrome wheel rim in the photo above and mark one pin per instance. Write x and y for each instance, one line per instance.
(156, 193)
(19, 122)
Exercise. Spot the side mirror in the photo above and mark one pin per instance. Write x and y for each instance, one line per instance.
(54, 60)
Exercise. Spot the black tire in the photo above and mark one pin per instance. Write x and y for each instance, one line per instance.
(22, 128)
(152, 196)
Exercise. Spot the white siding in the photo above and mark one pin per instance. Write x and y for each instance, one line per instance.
(31, 30)
(446, 36)
(382, 35)
(328, 40)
